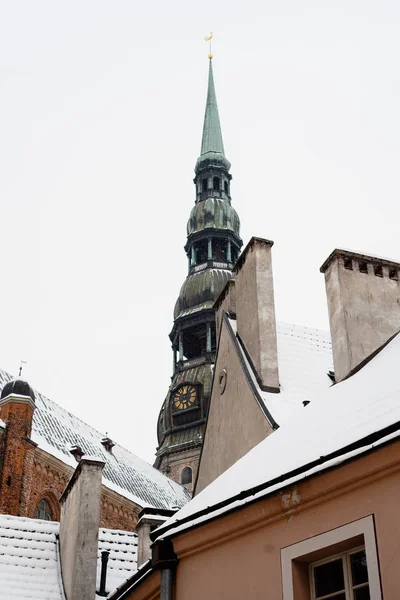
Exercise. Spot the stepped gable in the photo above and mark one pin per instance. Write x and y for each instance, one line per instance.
(55, 430)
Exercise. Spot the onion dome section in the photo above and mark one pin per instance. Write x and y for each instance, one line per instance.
(18, 387)
(213, 213)
(200, 290)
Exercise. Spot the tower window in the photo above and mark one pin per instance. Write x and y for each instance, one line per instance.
(216, 183)
(43, 511)
(226, 187)
(186, 476)
(204, 185)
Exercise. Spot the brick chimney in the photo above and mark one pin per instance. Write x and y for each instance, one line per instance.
(79, 529)
(255, 310)
(363, 294)
(17, 406)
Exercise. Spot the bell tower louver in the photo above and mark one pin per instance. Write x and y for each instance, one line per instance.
(212, 247)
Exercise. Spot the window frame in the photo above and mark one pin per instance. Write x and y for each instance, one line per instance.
(349, 587)
(323, 542)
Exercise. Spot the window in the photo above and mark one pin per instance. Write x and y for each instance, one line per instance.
(186, 476)
(378, 270)
(216, 183)
(43, 511)
(204, 185)
(341, 577)
(340, 564)
(226, 187)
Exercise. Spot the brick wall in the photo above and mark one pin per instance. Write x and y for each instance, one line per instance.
(45, 477)
(18, 450)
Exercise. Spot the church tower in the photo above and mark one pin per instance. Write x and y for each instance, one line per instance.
(212, 247)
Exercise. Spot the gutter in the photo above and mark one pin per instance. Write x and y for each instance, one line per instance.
(365, 441)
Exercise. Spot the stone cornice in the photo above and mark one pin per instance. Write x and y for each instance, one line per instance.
(255, 241)
(375, 260)
(17, 399)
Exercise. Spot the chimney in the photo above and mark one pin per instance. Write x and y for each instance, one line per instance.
(17, 405)
(149, 519)
(255, 311)
(79, 529)
(363, 294)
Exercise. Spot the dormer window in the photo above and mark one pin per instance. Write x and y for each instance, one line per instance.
(216, 183)
(77, 452)
(108, 444)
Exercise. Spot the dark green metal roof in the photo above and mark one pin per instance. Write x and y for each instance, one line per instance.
(215, 213)
(200, 290)
(212, 135)
(212, 146)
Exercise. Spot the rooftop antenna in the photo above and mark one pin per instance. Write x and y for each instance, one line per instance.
(21, 366)
(208, 39)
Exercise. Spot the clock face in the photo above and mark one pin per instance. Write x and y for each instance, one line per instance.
(184, 397)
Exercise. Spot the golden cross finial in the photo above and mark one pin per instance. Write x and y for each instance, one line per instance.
(208, 38)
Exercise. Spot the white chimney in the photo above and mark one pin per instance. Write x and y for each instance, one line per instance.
(79, 529)
(363, 294)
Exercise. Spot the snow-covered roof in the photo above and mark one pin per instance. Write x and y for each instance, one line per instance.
(55, 430)
(122, 562)
(304, 360)
(348, 419)
(30, 564)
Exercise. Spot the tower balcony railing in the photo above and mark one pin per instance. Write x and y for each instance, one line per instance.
(210, 194)
(182, 365)
(214, 264)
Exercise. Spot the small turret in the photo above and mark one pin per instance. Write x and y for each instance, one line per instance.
(17, 405)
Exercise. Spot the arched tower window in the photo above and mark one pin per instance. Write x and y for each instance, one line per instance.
(204, 185)
(186, 476)
(216, 183)
(226, 187)
(43, 511)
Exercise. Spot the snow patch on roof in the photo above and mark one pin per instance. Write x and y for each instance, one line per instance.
(29, 566)
(122, 562)
(304, 359)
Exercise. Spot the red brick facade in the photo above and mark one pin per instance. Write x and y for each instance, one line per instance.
(28, 474)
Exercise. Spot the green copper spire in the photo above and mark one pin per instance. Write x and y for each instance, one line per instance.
(212, 136)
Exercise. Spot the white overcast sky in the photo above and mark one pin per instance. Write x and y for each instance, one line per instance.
(101, 110)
